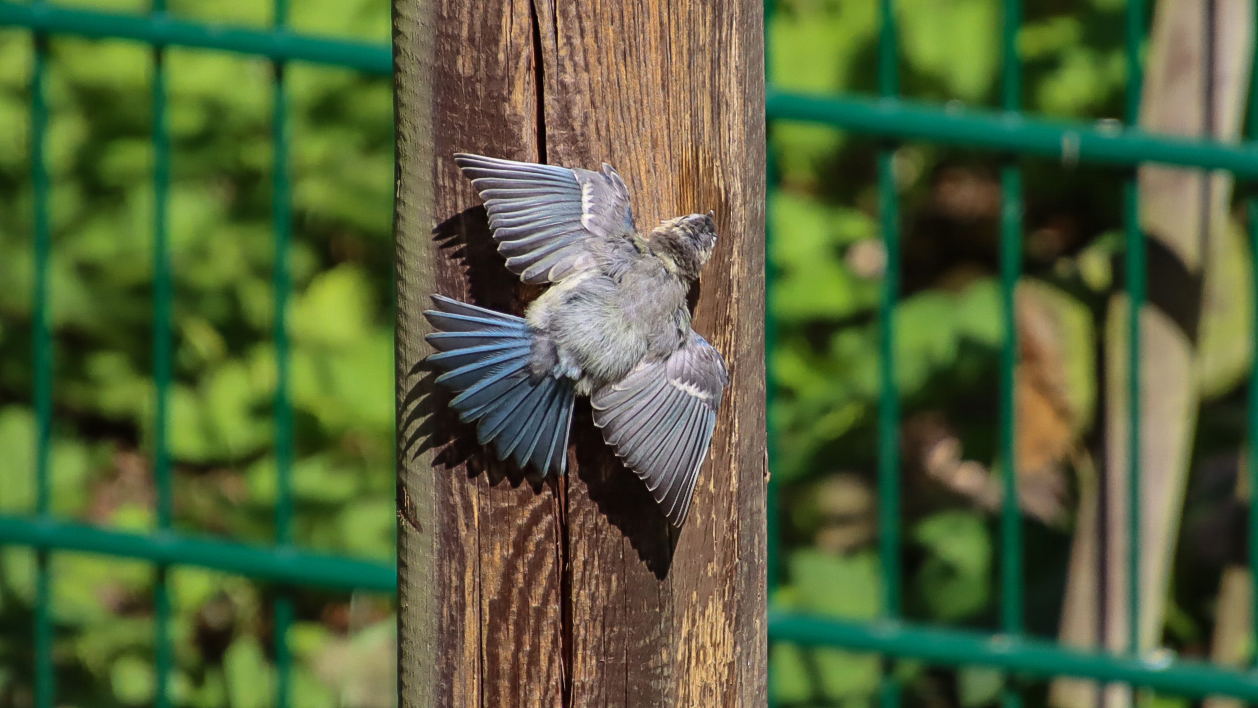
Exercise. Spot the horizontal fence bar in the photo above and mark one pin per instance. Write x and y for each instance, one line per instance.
(164, 31)
(1013, 132)
(1019, 655)
(280, 565)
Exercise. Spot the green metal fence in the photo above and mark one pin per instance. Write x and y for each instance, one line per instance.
(1007, 132)
(282, 564)
(1010, 134)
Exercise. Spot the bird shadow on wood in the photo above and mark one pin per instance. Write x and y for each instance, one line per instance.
(466, 242)
(621, 496)
(428, 421)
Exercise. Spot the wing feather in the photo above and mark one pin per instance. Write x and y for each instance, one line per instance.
(689, 461)
(670, 431)
(673, 473)
(545, 217)
(660, 419)
(645, 411)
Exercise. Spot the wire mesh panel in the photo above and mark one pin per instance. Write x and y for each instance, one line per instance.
(165, 547)
(891, 120)
(1010, 137)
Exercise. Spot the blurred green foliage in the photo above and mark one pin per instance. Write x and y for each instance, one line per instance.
(826, 271)
(100, 158)
(826, 263)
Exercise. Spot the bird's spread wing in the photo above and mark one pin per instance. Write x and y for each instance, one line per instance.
(543, 216)
(660, 419)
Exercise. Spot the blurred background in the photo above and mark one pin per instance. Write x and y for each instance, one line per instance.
(828, 260)
(100, 157)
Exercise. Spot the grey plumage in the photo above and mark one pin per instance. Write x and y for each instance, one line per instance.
(613, 326)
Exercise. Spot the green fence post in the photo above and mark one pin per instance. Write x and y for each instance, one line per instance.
(283, 225)
(888, 387)
(163, 362)
(1135, 272)
(1011, 550)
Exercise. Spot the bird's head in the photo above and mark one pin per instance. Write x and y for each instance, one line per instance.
(685, 242)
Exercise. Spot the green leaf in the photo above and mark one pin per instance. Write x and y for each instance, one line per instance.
(1082, 81)
(836, 586)
(17, 459)
(306, 639)
(249, 676)
(133, 680)
(335, 310)
(18, 567)
(954, 579)
(368, 528)
(979, 685)
(232, 411)
(953, 41)
(814, 281)
(788, 665)
(1159, 700)
(818, 577)
(191, 588)
(320, 479)
(190, 438)
(310, 692)
(1042, 39)
(88, 588)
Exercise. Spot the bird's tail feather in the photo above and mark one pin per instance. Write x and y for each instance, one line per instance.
(485, 357)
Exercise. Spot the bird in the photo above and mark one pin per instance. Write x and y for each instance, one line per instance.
(613, 326)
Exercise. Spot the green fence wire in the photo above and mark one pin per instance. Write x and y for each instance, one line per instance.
(1011, 135)
(282, 564)
(1007, 132)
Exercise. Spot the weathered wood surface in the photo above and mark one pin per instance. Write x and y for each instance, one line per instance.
(1179, 221)
(574, 592)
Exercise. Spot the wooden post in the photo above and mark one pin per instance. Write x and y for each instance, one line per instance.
(575, 592)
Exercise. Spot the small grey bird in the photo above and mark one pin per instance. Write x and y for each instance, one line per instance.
(614, 326)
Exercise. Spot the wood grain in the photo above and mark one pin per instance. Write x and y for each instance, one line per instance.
(577, 592)
(479, 574)
(671, 94)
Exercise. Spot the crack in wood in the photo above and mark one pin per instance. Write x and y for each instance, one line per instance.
(539, 78)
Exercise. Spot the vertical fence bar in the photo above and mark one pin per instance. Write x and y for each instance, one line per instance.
(163, 361)
(282, 225)
(889, 395)
(1011, 586)
(1135, 270)
(41, 335)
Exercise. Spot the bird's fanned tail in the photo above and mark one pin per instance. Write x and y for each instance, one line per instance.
(485, 357)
